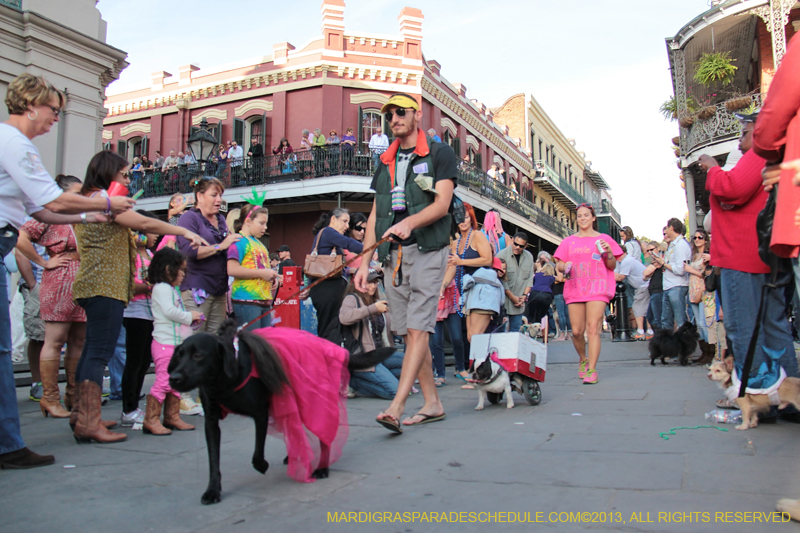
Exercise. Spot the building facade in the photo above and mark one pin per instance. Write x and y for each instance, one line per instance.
(753, 34)
(336, 81)
(65, 43)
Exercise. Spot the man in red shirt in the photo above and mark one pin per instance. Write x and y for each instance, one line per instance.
(737, 196)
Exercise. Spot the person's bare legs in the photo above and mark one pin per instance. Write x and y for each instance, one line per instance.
(34, 355)
(477, 324)
(594, 326)
(77, 336)
(577, 317)
(417, 363)
(55, 336)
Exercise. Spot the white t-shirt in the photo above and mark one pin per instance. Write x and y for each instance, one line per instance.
(25, 185)
(171, 322)
(632, 270)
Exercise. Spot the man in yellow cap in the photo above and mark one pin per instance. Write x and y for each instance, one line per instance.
(413, 186)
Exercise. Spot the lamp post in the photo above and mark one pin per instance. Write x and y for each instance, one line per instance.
(202, 143)
(699, 213)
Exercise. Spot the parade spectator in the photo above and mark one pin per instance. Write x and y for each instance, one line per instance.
(283, 149)
(675, 281)
(518, 278)
(541, 293)
(170, 162)
(329, 236)
(159, 162)
(631, 273)
(357, 227)
(319, 139)
(146, 163)
(564, 325)
(492, 172)
(307, 140)
(274, 259)
(701, 258)
(348, 140)
(654, 275)
(423, 230)
(171, 326)
(248, 264)
(236, 157)
(222, 160)
(589, 286)
(632, 245)
(32, 324)
(188, 157)
(333, 139)
(432, 137)
(64, 322)
(177, 205)
(371, 325)
(33, 106)
(104, 292)
(493, 230)
(256, 150)
(378, 144)
(137, 322)
(447, 317)
(742, 273)
(284, 258)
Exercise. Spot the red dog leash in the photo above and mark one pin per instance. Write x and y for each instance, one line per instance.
(313, 284)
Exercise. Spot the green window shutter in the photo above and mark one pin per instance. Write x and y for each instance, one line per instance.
(479, 160)
(145, 145)
(238, 131)
(122, 148)
(263, 139)
(457, 147)
(360, 128)
(107, 147)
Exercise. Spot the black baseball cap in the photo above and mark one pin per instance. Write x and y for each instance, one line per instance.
(373, 275)
(284, 248)
(752, 117)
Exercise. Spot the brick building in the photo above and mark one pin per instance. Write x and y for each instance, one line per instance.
(333, 82)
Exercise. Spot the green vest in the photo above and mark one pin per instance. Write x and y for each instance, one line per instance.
(429, 238)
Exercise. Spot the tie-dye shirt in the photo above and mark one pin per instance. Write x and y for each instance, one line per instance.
(250, 253)
(590, 279)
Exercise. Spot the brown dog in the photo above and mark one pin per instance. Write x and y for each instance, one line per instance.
(752, 404)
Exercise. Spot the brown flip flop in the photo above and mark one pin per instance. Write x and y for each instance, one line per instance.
(390, 422)
(426, 419)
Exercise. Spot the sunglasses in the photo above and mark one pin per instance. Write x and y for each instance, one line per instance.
(517, 245)
(650, 250)
(358, 228)
(400, 112)
(698, 238)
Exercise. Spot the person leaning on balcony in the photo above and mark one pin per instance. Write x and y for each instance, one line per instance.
(159, 161)
(256, 150)
(170, 162)
(737, 197)
(419, 225)
(33, 106)
(432, 137)
(333, 139)
(378, 144)
(305, 143)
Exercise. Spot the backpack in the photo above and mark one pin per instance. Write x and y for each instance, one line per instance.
(342, 335)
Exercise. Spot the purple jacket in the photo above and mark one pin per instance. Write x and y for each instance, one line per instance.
(211, 273)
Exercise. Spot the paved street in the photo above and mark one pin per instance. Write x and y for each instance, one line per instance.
(545, 459)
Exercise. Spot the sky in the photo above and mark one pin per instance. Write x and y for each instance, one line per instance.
(598, 68)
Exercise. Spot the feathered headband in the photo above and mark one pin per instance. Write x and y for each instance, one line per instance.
(257, 200)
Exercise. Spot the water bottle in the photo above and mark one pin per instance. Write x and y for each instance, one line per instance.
(725, 416)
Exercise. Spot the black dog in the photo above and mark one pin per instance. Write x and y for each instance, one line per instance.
(211, 363)
(680, 344)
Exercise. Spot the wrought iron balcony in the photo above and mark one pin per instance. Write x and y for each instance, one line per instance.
(549, 180)
(17, 4)
(722, 126)
(310, 164)
(604, 207)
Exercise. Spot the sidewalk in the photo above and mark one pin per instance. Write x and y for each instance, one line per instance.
(524, 460)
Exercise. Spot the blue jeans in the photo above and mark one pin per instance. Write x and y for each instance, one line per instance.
(103, 322)
(674, 307)
(117, 366)
(515, 322)
(699, 312)
(741, 294)
(247, 312)
(655, 309)
(563, 315)
(436, 343)
(10, 437)
(383, 382)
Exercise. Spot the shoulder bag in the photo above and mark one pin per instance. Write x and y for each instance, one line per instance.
(319, 266)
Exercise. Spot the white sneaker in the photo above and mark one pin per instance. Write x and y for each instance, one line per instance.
(189, 407)
(649, 332)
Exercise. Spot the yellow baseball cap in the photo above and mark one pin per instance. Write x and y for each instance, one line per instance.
(401, 100)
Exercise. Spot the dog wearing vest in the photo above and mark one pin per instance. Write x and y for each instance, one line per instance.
(490, 376)
(288, 381)
(782, 393)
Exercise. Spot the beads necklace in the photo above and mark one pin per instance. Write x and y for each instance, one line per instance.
(460, 273)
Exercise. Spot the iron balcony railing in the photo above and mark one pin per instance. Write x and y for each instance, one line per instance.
(721, 126)
(546, 173)
(17, 4)
(310, 164)
(604, 207)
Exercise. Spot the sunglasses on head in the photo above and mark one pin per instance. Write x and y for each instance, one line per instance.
(400, 112)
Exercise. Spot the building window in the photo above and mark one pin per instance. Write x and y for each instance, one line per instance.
(471, 155)
(371, 123)
(447, 138)
(540, 148)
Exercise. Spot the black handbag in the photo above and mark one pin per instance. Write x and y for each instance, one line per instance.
(764, 224)
(712, 280)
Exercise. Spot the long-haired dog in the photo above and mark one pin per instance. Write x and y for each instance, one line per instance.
(752, 404)
(212, 364)
(681, 344)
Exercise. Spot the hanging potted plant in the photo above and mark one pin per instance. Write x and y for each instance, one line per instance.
(686, 121)
(714, 68)
(707, 112)
(669, 109)
(740, 102)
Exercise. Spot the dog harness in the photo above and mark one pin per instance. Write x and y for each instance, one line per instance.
(253, 374)
(732, 392)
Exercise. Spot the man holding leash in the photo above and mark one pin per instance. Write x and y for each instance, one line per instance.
(413, 186)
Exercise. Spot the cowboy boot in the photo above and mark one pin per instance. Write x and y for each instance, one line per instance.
(76, 401)
(50, 403)
(703, 349)
(70, 394)
(152, 417)
(88, 426)
(172, 414)
(708, 355)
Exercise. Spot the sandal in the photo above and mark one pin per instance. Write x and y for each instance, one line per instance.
(727, 404)
(439, 382)
(459, 376)
(390, 422)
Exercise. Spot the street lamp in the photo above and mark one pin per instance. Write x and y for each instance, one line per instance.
(202, 143)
